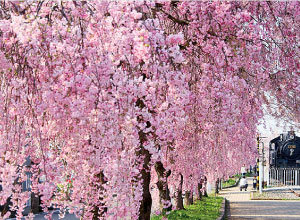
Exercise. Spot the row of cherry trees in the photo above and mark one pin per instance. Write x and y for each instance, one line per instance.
(118, 96)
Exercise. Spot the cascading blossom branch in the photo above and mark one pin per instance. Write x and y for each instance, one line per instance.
(97, 93)
(88, 94)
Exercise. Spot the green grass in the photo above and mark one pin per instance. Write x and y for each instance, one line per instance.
(237, 175)
(240, 175)
(229, 182)
(206, 209)
(248, 174)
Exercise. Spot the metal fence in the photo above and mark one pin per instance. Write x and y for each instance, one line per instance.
(284, 176)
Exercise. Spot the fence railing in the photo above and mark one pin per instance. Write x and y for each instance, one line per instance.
(284, 176)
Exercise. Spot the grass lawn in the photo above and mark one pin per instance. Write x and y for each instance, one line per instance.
(206, 209)
(247, 175)
(229, 182)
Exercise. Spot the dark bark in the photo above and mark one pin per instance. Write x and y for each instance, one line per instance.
(99, 213)
(188, 198)
(199, 193)
(5, 207)
(145, 177)
(146, 203)
(217, 186)
(162, 185)
(35, 203)
(158, 7)
(178, 196)
(205, 184)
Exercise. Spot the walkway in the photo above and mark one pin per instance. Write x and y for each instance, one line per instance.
(241, 207)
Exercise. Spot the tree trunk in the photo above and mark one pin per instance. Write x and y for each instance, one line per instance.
(145, 177)
(188, 198)
(199, 194)
(146, 203)
(35, 203)
(178, 196)
(162, 185)
(217, 186)
(5, 207)
(100, 213)
(205, 185)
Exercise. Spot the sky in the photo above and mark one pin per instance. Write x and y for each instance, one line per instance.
(273, 128)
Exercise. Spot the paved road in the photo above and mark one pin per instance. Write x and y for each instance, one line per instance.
(241, 207)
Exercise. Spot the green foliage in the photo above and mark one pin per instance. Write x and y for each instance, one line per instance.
(206, 209)
(229, 182)
(248, 174)
(232, 180)
(237, 175)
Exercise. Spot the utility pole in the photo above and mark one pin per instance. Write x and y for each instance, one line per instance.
(261, 162)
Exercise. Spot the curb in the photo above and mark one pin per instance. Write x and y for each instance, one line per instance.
(222, 210)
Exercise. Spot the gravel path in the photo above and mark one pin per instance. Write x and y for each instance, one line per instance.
(278, 194)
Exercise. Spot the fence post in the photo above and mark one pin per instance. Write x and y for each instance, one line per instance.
(277, 177)
(270, 177)
(284, 177)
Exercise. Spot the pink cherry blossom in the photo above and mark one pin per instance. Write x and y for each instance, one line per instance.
(101, 91)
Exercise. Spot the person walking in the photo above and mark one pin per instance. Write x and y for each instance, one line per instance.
(243, 184)
(243, 170)
(254, 182)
